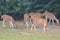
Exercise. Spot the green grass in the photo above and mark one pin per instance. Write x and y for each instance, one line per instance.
(9, 34)
(14, 35)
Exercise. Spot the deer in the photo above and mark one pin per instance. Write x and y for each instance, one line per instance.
(36, 18)
(50, 16)
(38, 14)
(26, 20)
(10, 20)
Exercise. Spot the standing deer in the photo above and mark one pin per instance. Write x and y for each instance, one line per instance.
(38, 14)
(9, 19)
(26, 20)
(36, 18)
(50, 16)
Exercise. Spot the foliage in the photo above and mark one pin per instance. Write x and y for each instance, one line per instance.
(19, 7)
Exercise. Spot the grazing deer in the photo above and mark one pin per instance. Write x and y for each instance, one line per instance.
(26, 20)
(38, 19)
(50, 16)
(9, 19)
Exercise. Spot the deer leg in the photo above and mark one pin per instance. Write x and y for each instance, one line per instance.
(56, 20)
(46, 18)
(30, 21)
(35, 27)
(53, 21)
(3, 24)
(32, 27)
(49, 21)
(15, 25)
(44, 28)
(27, 25)
(11, 24)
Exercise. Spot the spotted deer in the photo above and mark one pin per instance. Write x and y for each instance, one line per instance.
(36, 18)
(50, 16)
(26, 20)
(38, 14)
(10, 20)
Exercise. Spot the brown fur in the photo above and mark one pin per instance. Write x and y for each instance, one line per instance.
(7, 18)
(35, 18)
(50, 16)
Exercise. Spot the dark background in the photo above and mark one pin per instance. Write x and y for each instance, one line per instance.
(17, 8)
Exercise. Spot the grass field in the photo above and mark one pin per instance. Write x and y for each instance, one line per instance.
(14, 34)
